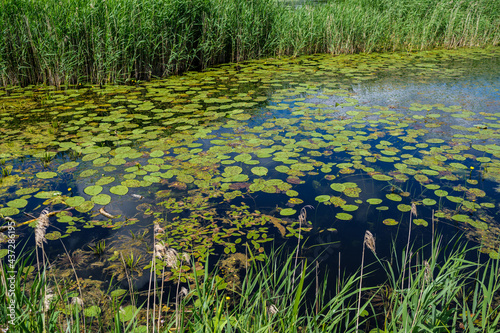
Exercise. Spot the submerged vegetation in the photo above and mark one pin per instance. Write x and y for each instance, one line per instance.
(75, 41)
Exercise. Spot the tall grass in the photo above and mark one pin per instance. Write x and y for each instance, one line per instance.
(103, 41)
(443, 292)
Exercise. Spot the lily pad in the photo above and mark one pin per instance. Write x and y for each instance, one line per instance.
(287, 212)
(46, 174)
(259, 171)
(429, 202)
(93, 190)
(343, 216)
(17, 203)
(74, 201)
(390, 222)
(440, 193)
(119, 190)
(374, 201)
(322, 198)
(393, 197)
(128, 312)
(9, 211)
(101, 199)
(421, 222)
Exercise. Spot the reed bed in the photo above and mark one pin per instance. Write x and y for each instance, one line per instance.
(112, 41)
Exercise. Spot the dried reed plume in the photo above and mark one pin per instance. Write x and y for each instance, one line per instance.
(370, 241)
(41, 227)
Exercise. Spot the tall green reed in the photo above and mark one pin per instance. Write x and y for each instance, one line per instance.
(111, 41)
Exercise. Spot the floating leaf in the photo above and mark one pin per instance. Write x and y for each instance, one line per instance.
(349, 208)
(93, 190)
(381, 177)
(9, 211)
(105, 180)
(374, 201)
(119, 190)
(404, 208)
(128, 312)
(322, 198)
(338, 187)
(17, 203)
(420, 222)
(343, 216)
(393, 197)
(74, 201)
(85, 207)
(259, 171)
(440, 193)
(46, 174)
(390, 222)
(287, 211)
(101, 199)
(429, 202)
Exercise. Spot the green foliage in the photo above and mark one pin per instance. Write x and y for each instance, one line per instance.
(124, 40)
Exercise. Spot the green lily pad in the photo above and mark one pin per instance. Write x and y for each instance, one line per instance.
(349, 208)
(47, 194)
(74, 201)
(381, 177)
(429, 202)
(421, 222)
(127, 313)
(119, 190)
(343, 216)
(85, 207)
(101, 199)
(259, 171)
(404, 208)
(393, 197)
(53, 235)
(338, 187)
(287, 211)
(374, 201)
(93, 190)
(105, 180)
(322, 198)
(390, 222)
(461, 218)
(9, 211)
(17, 203)
(46, 174)
(440, 193)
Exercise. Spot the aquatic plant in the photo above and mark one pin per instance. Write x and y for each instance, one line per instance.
(99, 247)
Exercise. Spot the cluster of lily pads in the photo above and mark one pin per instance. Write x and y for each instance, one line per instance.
(224, 159)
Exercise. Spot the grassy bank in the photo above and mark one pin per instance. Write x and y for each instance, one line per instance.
(105, 41)
(441, 291)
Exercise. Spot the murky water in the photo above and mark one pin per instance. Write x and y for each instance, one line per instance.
(222, 162)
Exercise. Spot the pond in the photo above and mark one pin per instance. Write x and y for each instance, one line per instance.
(222, 162)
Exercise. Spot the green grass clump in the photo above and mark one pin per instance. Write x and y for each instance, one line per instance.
(443, 292)
(70, 41)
